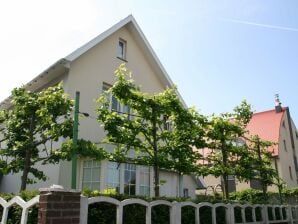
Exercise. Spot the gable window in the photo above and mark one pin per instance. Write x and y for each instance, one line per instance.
(144, 180)
(285, 145)
(91, 174)
(130, 179)
(121, 51)
(113, 177)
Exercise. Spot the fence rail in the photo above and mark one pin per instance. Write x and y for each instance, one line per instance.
(269, 214)
(17, 201)
(259, 214)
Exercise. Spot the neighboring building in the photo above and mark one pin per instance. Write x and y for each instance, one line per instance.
(89, 70)
(276, 126)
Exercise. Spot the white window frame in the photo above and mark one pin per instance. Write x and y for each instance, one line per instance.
(140, 169)
(121, 49)
(135, 185)
(91, 180)
(113, 183)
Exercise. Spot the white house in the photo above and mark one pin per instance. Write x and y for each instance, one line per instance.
(89, 70)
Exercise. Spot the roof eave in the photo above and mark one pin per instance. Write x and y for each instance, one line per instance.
(52, 72)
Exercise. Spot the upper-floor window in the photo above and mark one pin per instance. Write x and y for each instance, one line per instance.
(166, 122)
(121, 51)
(285, 145)
(284, 124)
(115, 105)
(290, 172)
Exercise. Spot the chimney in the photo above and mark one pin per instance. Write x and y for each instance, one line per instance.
(278, 107)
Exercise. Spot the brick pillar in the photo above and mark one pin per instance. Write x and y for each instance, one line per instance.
(59, 206)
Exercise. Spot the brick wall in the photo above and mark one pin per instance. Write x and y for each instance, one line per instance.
(58, 206)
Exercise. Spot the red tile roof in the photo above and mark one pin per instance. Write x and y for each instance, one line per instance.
(267, 125)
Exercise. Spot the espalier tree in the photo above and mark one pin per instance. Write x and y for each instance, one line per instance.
(157, 127)
(261, 163)
(227, 156)
(29, 127)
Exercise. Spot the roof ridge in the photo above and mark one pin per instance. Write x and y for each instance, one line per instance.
(267, 111)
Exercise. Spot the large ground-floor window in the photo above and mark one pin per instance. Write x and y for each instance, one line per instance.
(144, 180)
(130, 179)
(91, 174)
(124, 178)
(113, 176)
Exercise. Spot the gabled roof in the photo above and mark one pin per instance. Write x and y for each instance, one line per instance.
(267, 125)
(63, 63)
(132, 25)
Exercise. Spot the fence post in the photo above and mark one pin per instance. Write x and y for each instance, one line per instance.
(148, 214)
(57, 205)
(119, 214)
(265, 214)
(175, 213)
(84, 210)
(289, 214)
(232, 215)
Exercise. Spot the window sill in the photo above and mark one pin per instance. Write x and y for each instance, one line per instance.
(122, 59)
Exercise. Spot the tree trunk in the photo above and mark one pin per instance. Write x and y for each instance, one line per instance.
(27, 163)
(155, 150)
(26, 170)
(156, 181)
(225, 175)
(262, 174)
(226, 186)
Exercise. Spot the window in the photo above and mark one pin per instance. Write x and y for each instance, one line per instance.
(130, 179)
(114, 104)
(91, 174)
(166, 122)
(284, 124)
(285, 145)
(126, 111)
(113, 177)
(121, 52)
(290, 172)
(185, 193)
(144, 180)
(231, 183)
(106, 87)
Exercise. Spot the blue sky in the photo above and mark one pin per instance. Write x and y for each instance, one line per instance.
(217, 52)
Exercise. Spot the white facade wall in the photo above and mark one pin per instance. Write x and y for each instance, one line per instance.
(87, 74)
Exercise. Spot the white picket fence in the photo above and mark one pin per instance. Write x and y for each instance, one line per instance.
(279, 213)
(17, 201)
